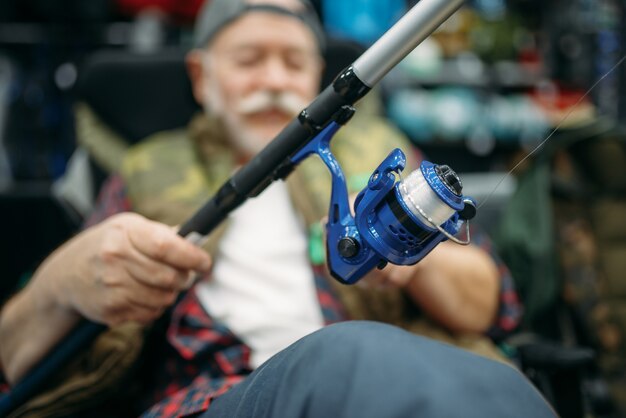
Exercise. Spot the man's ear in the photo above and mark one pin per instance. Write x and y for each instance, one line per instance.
(197, 73)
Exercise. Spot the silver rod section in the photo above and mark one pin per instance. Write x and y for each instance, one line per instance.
(415, 26)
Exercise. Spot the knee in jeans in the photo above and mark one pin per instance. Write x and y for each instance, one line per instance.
(352, 331)
(349, 337)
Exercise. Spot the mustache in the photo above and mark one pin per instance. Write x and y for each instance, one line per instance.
(287, 102)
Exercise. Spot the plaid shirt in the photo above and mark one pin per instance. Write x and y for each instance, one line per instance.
(203, 358)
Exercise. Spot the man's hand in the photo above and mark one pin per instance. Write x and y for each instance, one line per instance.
(389, 277)
(125, 269)
(455, 285)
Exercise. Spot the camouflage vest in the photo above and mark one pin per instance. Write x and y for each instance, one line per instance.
(170, 175)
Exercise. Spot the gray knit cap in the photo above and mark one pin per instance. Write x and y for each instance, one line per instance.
(215, 14)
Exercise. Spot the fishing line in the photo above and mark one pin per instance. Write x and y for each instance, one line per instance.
(559, 125)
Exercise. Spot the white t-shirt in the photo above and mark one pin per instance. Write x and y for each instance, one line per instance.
(262, 286)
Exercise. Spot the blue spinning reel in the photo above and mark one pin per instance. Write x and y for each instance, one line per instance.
(395, 221)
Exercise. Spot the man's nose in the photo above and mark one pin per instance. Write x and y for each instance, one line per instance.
(275, 75)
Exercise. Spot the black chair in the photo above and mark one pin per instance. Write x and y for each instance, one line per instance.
(138, 94)
(35, 223)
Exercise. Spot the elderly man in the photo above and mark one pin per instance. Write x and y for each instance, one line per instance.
(265, 302)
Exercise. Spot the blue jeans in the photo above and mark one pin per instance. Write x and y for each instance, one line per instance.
(367, 369)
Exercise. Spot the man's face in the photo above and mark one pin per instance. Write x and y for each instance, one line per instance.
(258, 73)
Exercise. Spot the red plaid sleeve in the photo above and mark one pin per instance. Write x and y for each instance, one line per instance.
(510, 308)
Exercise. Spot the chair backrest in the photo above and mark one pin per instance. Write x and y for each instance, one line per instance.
(131, 95)
(135, 95)
(138, 94)
(35, 223)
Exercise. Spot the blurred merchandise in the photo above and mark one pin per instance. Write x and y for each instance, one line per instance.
(566, 107)
(451, 115)
(182, 11)
(585, 43)
(411, 111)
(424, 61)
(456, 111)
(453, 35)
(363, 21)
(501, 39)
(7, 72)
(39, 131)
(59, 11)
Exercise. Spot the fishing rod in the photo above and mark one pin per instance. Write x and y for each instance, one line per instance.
(395, 221)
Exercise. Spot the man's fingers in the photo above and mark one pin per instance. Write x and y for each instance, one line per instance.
(161, 243)
(151, 298)
(154, 273)
(390, 276)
